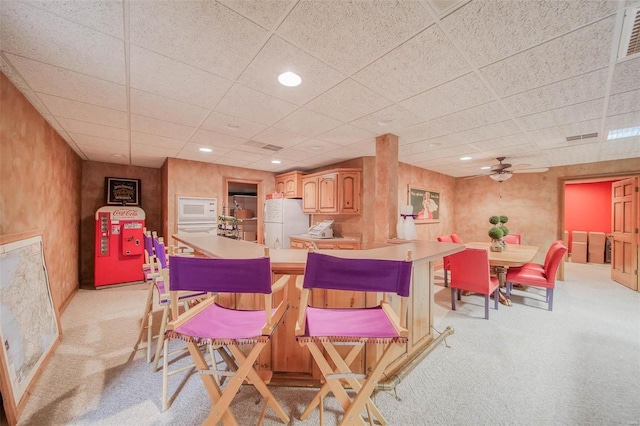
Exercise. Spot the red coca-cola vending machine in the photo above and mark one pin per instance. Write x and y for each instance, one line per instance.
(119, 252)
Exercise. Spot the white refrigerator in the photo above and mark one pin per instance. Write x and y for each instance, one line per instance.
(283, 217)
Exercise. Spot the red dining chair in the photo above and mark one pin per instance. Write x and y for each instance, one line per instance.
(534, 277)
(323, 330)
(512, 239)
(537, 266)
(445, 260)
(470, 271)
(230, 328)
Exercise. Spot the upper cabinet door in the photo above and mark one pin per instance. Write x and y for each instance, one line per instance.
(349, 193)
(290, 184)
(310, 195)
(328, 193)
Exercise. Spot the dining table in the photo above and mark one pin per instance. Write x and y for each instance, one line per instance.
(514, 255)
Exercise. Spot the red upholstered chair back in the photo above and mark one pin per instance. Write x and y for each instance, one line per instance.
(551, 267)
(455, 239)
(470, 271)
(445, 260)
(552, 248)
(512, 239)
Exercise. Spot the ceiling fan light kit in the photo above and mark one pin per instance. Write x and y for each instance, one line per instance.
(501, 177)
(503, 171)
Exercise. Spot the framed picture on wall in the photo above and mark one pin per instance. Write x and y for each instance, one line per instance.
(426, 204)
(122, 192)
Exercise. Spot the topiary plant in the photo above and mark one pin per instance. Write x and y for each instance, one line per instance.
(496, 232)
(494, 220)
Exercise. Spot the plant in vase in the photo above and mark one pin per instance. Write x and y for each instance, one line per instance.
(497, 232)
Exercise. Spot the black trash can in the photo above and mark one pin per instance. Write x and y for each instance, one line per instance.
(607, 249)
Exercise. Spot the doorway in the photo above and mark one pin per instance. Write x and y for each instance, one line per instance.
(244, 203)
(606, 204)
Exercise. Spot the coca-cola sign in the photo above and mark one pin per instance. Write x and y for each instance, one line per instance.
(125, 213)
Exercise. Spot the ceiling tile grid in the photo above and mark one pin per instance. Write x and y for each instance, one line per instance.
(135, 82)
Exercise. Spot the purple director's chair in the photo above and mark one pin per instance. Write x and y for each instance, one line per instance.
(210, 323)
(151, 271)
(355, 327)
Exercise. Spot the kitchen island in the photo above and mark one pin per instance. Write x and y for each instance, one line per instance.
(292, 364)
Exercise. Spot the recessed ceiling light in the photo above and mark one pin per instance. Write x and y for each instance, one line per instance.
(432, 144)
(384, 123)
(465, 158)
(628, 132)
(275, 161)
(232, 126)
(206, 150)
(289, 79)
(316, 147)
(117, 155)
(485, 168)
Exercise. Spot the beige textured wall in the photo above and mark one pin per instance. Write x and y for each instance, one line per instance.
(533, 201)
(39, 188)
(196, 179)
(93, 174)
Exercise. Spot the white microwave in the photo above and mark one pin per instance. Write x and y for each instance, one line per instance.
(197, 210)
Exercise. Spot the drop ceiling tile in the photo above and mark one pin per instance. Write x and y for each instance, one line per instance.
(161, 108)
(154, 141)
(388, 120)
(96, 142)
(91, 129)
(204, 34)
(194, 147)
(625, 76)
(197, 156)
(307, 123)
(152, 126)
(348, 101)
(147, 161)
(623, 103)
(456, 95)
(478, 116)
(138, 149)
(211, 139)
(427, 130)
(167, 77)
(584, 153)
(491, 131)
(278, 56)
(264, 13)
(573, 54)
(107, 158)
(291, 154)
(68, 108)
(71, 85)
(243, 156)
(411, 68)
(556, 136)
(58, 128)
(113, 151)
(350, 35)
(363, 148)
(345, 135)
(622, 121)
(569, 114)
(517, 25)
(233, 126)
(60, 42)
(316, 146)
(279, 137)
(621, 148)
(255, 106)
(17, 80)
(571, 91)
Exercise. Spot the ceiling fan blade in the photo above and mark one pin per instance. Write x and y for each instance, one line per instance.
(536, 170)
(519, 166)
(499, 167)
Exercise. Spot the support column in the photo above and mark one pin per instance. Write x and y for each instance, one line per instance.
(386, 187)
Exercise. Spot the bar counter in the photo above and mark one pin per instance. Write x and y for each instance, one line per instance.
(292, 364)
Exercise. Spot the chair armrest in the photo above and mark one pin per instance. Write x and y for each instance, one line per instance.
(395, 321)
(280, 284)
(299, 282)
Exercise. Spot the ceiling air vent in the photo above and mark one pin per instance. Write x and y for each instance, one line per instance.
(630, 37)
(272, 147)
(254, 144)
(581, 137)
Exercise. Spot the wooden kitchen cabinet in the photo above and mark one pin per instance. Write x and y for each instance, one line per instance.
(325, 244)
(332, 192)
(290, 184)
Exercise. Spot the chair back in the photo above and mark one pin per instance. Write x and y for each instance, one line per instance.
(470, 270)
(336, 273)
(456, 239)
(445, 239)
(512, 238)
(148, 247)
(446, 265)
(551, 267)
(160, 252)
(215, 275)
(550, 251)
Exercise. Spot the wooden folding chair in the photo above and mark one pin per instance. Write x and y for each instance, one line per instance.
(211, 323)
(355, 327)
(151, 271)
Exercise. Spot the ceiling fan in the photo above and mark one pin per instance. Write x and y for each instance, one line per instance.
(503, 171)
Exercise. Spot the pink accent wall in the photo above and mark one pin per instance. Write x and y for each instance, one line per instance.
(587, 207)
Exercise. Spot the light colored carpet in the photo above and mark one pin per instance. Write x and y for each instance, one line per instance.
(577, 365)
